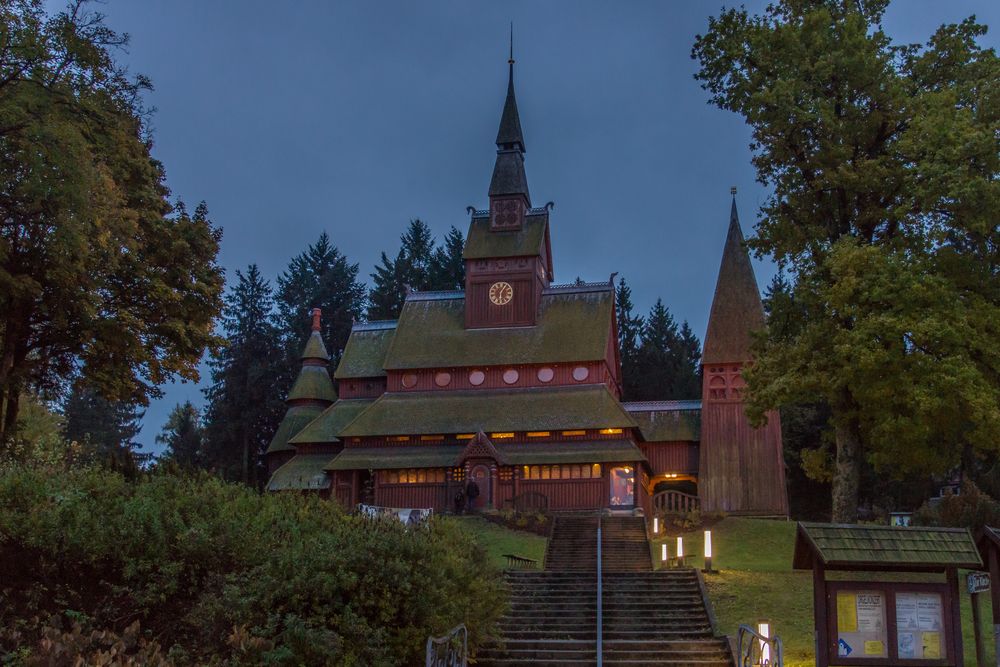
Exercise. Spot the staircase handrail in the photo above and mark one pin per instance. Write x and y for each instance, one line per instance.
(750, 648)
(600, 601)
(445, 652)
(665, 501)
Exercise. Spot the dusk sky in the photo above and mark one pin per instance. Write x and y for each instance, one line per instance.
(290, 119)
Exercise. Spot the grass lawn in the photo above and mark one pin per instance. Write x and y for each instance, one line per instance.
(756, 581)
(498, 540)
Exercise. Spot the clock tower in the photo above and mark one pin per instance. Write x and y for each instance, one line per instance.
(507, 254)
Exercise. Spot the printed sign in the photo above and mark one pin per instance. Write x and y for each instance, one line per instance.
(978, 582)
(861, 626)
(919, 626)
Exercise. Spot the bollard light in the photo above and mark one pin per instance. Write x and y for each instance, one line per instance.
(663, 552)
(680, 551)
(764, 630)
(656, 525)
(708, 551)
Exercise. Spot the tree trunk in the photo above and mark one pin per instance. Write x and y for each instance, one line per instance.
(847, 475)
(246, 460)
(9, 424)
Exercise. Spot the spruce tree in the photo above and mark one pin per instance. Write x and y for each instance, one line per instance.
(415, 267)
(658, 357)
(244, 403)
(629, 332)
(320, 277)
(447, 270)
(104, 429)
(687, 382)
(389, 282)
(182, 435)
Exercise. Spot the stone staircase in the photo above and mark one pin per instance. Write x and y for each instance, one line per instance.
(649, 617)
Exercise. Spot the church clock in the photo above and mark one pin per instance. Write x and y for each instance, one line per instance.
(501, 293)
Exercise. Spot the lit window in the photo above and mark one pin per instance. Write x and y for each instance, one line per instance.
(501, 436)
(465, 436)
(431, 438)
(414, 476)
(538, 434)
(595, 470)
(574, 433)
(399, 438)
(610, 431)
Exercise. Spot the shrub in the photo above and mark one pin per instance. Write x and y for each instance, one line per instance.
(217, 572)
(971, 509)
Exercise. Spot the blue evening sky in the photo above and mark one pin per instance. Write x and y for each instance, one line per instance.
(292, 118)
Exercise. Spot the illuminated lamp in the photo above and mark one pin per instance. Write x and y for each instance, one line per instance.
(663, 552)
(708, 552)
(764, 630)
(656, 525)
(680, 551)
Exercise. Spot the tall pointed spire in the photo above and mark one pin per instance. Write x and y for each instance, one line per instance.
(736, 308)
(509, 179)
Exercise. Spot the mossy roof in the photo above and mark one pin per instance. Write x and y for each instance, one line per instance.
(668, 425)
(364, 354)
(301, 472)
(315, 349)
(327, 426)
(838, 546)
(528, 241)
(295, 420)
(313, 383)
(444, 456)
(537, 409)
(572, 326)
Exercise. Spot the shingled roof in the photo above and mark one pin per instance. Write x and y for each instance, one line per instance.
(667, 421)
(313, 383)
(364, 354)
(508, 172)
(528, 241)
(328, 425)
(736, 307)
(295, 419)
(572, 326)
(469, 411)
(860, 547)
(301, 472)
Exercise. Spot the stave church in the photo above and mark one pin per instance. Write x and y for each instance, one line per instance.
(515, 382)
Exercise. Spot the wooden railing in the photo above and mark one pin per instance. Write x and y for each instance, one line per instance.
(668, 502)
(452, 650)
(753, 649)
(515, 562)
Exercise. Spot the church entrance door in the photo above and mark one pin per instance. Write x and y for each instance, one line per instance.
(481, 476)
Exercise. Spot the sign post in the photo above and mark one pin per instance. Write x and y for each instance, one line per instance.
(978, 583)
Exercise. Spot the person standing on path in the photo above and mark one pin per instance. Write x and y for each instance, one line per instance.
(471, 493)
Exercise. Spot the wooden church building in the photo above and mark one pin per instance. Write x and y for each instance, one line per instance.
(515, 382)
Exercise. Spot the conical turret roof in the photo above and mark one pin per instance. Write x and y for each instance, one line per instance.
(736, 307)
(508, 172)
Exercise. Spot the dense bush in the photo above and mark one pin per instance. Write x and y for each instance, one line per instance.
(970, 509)
(214, 572)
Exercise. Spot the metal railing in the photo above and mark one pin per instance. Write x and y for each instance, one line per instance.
(452, 650)
(600, 600)
(753, 648)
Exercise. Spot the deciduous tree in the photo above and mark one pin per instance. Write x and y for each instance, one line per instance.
(883, 162)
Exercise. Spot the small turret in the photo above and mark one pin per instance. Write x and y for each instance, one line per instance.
(509, 198)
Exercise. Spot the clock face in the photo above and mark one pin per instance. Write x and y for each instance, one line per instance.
(501, 293)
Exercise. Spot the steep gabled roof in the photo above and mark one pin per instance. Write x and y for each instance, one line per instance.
(667, 421)
(573, 325)
(469, 411)
(736, 307)
(297, 417)
(327, 426)
(364, 354)
(302, 472)
(528, 241)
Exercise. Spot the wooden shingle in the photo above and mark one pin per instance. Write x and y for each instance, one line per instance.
(856, 547)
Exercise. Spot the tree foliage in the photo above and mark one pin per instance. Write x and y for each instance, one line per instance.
(244, 406)
(183, 437)
(883, 162)
(668, 361)
(630, 328)
(219, 574)
(105, 430)
(98, 272)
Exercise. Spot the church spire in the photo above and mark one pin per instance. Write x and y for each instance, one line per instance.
(736, 308)
(509, 196)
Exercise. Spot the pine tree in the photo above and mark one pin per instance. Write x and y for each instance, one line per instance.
(413, 269)
(321, 277)
(447, 270)
(687, 382)
(105, 429)
(630, 328)
(244, 405)
(182, 435)
(658, 357)
(385, 300)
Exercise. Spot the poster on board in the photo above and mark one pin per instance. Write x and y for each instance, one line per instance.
(861, 626)
(919, 626)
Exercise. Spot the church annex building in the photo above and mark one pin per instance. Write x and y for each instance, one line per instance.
(515, 382)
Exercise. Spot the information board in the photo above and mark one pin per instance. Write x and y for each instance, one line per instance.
(861, 626)
(920, 631)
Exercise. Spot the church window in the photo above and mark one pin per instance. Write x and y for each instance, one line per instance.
(465, 436)
(580, 373)
(610, 431)
(409, 380)
(476, 378)
(546, 374)
(574, 433)
(577, 471)
(501, 436)
(442, 379)
(510, 376)
(595, 470)
(431, 438)
(538, 434)
(415, 476)
(398, 438)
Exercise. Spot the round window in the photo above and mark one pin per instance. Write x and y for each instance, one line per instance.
(546, 374)
(409, 380)
(510, 376)
(476, 378)
(580, 373)
(442, 379)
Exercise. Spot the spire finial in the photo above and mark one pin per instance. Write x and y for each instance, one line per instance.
(510, 61)
(316, 314)
(732, 191)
